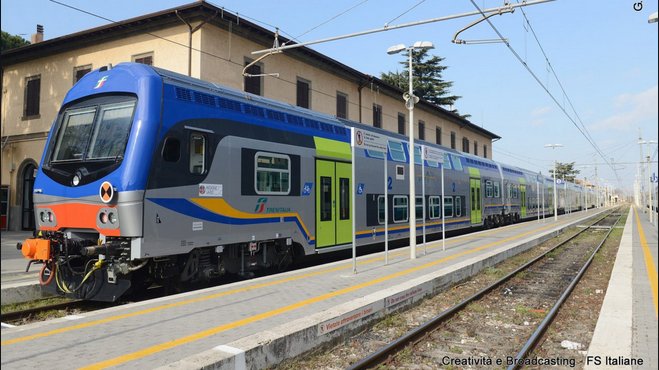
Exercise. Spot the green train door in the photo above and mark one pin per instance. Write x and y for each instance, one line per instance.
(333, 213)
(475, 191)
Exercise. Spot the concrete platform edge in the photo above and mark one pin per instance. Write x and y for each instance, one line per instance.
(613, 332)
(289, 340)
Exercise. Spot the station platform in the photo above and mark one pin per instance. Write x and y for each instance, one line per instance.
(257, 323)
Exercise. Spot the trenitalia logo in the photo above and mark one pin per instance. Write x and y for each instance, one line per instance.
(100, 82)
(260, 205)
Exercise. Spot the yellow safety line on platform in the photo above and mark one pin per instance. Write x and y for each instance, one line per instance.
(132, 314)
(219, 329)
(649, 262)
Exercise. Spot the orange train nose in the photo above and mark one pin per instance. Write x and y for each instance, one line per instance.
(36, 249)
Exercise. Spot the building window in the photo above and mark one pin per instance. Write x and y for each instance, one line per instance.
(465, 144)
(146, 58)
(422, 130)
(341, 105)
(475, 147)
(484, 151)
(253, 82)
(273, 173)
(80, 72)
(32, 97)
(401, 123)
(452, 140)
(303, 93)
(377, 116)
(438, 135)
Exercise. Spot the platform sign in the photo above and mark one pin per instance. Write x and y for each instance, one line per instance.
(433, 154)
(369, 140)
(366, 140)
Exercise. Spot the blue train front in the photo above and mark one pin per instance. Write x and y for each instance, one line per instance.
(150, 177)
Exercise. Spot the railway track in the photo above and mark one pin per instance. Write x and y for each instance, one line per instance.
(507, 317)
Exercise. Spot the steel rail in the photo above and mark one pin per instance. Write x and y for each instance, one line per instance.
(385, 354)
(550, 316)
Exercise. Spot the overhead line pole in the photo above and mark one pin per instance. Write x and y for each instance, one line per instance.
(418, 23)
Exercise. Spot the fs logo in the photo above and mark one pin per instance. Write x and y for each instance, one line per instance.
(260, 205)
(100, 82)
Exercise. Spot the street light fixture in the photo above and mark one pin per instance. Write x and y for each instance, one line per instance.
(553, 146)
(410, 100)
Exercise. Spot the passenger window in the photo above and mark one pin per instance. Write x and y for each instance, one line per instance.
(273, 173)
(447, 162)
(434, 207)
(171, 151)
(448, 206)
(197, 153)
(488, 189)
(419, 208)
(400, 209)
(396, 150)
(496, 189)
(417, 155)
(456, 163)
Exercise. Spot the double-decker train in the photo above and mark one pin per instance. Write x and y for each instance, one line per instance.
(149, 176)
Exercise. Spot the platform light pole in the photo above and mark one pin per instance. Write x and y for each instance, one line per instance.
(649, 198)
(585, 193)
(553, 151)
(410, 100)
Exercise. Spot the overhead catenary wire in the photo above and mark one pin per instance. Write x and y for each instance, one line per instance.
(519, 58)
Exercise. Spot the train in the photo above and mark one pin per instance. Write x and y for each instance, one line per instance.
(153, 177)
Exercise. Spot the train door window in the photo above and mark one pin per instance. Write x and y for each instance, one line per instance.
(397, 152)
(448, 206)
(496, 189)
(473, 198)
(325, 198)
(488, 189)
(515, 192)
(434, 208)
(510, 191)
(458, 206)
(197, 153)
(419, 208)
(400, 209)
(381, 209)
(273, 172)
(344, 198)
(456, 162)
(171, 150)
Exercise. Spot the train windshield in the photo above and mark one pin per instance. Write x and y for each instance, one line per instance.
(94, 132)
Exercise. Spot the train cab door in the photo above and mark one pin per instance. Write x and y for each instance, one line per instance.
(475, 196)
(333, 212)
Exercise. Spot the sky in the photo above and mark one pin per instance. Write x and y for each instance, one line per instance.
(579, 73)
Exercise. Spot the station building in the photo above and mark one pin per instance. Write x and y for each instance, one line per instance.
(205, 42)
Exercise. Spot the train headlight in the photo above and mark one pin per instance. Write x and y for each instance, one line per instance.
(51, 217)
(76, 180)
(103, 217)
(112, 217)
(43, 216)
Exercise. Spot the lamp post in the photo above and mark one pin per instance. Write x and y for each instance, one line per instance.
(585, 193)
(649, 199)
(553, 151)
(410, 100)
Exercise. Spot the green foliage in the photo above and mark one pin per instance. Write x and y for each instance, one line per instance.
(565, 171)
(427, 77)
(11, 42)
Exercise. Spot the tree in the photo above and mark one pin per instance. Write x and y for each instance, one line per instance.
(11, 42)
(565, 171)
(427, 76)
